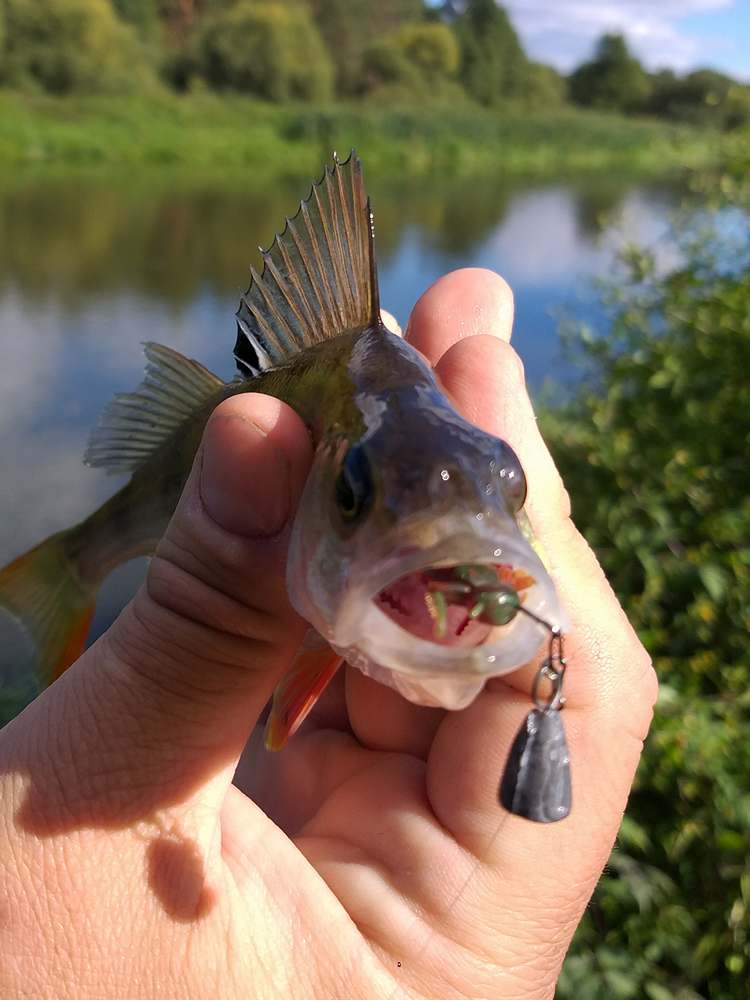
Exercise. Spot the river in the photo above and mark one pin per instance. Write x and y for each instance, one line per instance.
(92, 266)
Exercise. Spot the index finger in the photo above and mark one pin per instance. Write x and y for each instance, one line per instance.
(464, 303)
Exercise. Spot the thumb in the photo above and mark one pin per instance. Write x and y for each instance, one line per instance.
(213, 628)
(160, 708)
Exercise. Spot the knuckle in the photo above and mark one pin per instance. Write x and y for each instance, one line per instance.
(629, 699)
(511, 359)
(646, 681)
(566, 506)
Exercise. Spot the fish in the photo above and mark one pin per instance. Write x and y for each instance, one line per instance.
(411, 556)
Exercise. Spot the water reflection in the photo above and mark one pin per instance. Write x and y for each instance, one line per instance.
(92, 266)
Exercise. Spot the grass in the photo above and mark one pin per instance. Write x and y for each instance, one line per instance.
(233, 134)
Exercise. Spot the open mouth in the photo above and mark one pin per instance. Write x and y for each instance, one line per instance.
(456, 605)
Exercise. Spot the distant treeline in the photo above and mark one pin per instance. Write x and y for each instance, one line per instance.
(315, 50)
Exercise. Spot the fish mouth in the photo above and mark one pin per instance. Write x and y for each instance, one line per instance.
(381, 608)
(447, 605)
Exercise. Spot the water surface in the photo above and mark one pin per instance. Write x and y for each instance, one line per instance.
(92, 266)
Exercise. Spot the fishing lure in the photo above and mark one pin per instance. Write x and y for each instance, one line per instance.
(410, 555)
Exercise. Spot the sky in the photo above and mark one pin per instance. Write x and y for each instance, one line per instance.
(679, 34)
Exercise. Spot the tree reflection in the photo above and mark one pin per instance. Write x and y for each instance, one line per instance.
(91, 264)
(599, 201)
(77, 236)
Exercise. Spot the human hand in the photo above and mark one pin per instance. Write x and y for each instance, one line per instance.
(383, 865)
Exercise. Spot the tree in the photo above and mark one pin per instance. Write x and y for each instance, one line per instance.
(180, 16)
(664, 86)
(384, 64)
(417, 57)
(270, 49)
(431, 48)
(612, 80)
(66, 45)
(703, 97)
(142, 14)
(349, 27)
(493, 64)
(544, 87)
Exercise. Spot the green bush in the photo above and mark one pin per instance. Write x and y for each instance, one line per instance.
(704, 97)
(418, 59)
(385, 63)
(654, 448)
(268, 49)
(142, 14)
(544, 87)
(69, 45)
(431, 48)
(350, 26)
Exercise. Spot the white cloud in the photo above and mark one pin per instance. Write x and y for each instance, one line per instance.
(564, 32)
(570, 257)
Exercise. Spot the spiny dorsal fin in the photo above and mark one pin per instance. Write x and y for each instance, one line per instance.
(136, 423)
(319, 277)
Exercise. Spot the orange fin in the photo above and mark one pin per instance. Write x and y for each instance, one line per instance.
(308, 677)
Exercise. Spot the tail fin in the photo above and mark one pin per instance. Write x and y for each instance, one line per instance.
(42, 592)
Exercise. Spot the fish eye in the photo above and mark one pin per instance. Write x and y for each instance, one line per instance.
(354, 484)
(512, 478)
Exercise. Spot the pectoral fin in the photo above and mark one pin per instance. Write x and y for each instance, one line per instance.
(136, 424)
(308, 677)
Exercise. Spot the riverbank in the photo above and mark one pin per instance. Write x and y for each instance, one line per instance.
(233, 134)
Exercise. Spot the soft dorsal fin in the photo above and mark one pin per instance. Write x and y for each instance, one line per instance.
(319, 277)
(136, 423)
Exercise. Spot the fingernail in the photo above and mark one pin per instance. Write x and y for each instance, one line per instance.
(245, 483)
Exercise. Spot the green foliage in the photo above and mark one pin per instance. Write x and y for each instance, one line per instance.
(393, 51)
(493, 65)
(418, 58)
(431, 48)
(613, 79)
(654, 451)
(385, 64)
(544, 87)
(68, 45)
(142, 14)
(236, 132)
(179, 16)
(349, 28)
(665, 86)
(272, 50)
(704, 97)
